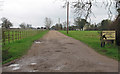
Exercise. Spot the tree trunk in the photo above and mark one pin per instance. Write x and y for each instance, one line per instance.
(117, 23)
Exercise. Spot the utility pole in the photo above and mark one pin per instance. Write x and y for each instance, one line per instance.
(59, 21)
(67, 16)
(59, 24)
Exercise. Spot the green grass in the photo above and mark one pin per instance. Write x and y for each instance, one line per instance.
(19, 48)
(92, 39)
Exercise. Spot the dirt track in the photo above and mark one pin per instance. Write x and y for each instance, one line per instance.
(59, 53)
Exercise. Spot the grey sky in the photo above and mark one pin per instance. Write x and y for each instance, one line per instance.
(34, 12)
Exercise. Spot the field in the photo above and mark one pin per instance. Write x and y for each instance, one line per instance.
(92, 39)
(18, 48)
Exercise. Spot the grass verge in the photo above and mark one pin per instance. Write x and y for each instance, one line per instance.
(17, 49)
(92, 39)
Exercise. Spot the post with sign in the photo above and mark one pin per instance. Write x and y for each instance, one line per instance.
(107, 36)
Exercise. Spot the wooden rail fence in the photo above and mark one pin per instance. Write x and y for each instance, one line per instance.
(9, 36)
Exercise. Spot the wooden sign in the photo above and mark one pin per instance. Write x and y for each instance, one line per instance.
(110, 35)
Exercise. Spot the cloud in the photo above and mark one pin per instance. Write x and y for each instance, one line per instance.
(34, 11)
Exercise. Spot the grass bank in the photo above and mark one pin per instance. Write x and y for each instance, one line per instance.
(92, 39)
(17, 49)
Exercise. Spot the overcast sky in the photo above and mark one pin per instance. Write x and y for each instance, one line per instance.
(34, 12)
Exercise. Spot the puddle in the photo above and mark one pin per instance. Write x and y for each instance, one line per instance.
(37, 41)
(34, 71)
(16, 68)
(14, 65)
(59, 67)
(33, 64)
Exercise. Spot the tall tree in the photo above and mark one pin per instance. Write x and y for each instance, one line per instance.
(6, 24)
(80, 23)
(116, 23)
(64, 25)
(29, 26)
(105, 24)
(57, 26)
(48, 22)
(23, 25)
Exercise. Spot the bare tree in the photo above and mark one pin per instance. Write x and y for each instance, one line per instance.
(83, 8)
(23, 25)
(64, 24)
(6, 24)
(48, 23)
(29, 26)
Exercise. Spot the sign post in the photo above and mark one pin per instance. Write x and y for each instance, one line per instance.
(107, 36)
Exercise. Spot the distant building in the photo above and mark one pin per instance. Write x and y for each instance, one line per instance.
(14, 28)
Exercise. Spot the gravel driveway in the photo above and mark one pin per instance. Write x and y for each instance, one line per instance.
(56, 52)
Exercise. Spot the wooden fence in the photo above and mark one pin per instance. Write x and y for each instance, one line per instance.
(9, 36)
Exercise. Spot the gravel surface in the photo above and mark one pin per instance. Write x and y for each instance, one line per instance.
(56, 52)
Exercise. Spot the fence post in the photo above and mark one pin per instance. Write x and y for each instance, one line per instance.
(23, 36)
(8, 36)
(16, 35)
(20, 35)
(3, 37)
(26, 33)
(13, 36)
